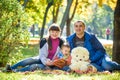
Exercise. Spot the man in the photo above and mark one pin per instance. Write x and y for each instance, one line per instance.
(98, 55)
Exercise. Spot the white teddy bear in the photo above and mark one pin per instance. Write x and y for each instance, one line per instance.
(80, 60)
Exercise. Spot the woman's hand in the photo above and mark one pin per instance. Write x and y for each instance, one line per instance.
(49, 62)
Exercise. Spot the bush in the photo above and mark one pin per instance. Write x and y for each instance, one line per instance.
(12, 29)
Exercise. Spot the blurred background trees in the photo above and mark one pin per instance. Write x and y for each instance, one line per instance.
(97, 14)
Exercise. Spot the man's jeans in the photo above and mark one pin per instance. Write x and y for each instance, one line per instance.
(107, 64)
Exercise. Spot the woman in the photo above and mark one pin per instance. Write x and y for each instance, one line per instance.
(49, 48)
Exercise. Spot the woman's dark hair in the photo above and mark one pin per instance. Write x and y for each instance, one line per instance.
(53, 27)
(49, 43)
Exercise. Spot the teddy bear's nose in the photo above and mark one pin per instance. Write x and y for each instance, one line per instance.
(80, 59)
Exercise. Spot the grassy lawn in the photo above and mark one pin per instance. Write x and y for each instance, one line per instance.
(32, 50)
(41, 76)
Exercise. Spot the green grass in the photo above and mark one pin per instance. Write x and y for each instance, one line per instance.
(40, 76)
(32, 50)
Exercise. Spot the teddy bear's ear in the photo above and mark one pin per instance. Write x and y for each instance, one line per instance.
(85, 51)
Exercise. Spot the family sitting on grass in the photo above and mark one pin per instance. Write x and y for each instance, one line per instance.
(55, 54)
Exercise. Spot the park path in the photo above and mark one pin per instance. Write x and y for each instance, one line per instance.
(106, 42)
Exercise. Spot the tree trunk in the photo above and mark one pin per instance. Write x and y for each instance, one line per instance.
(44, 19)
(116, 35)
(70, 18)
(55, 13)
(68, 27)
(69, 2)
